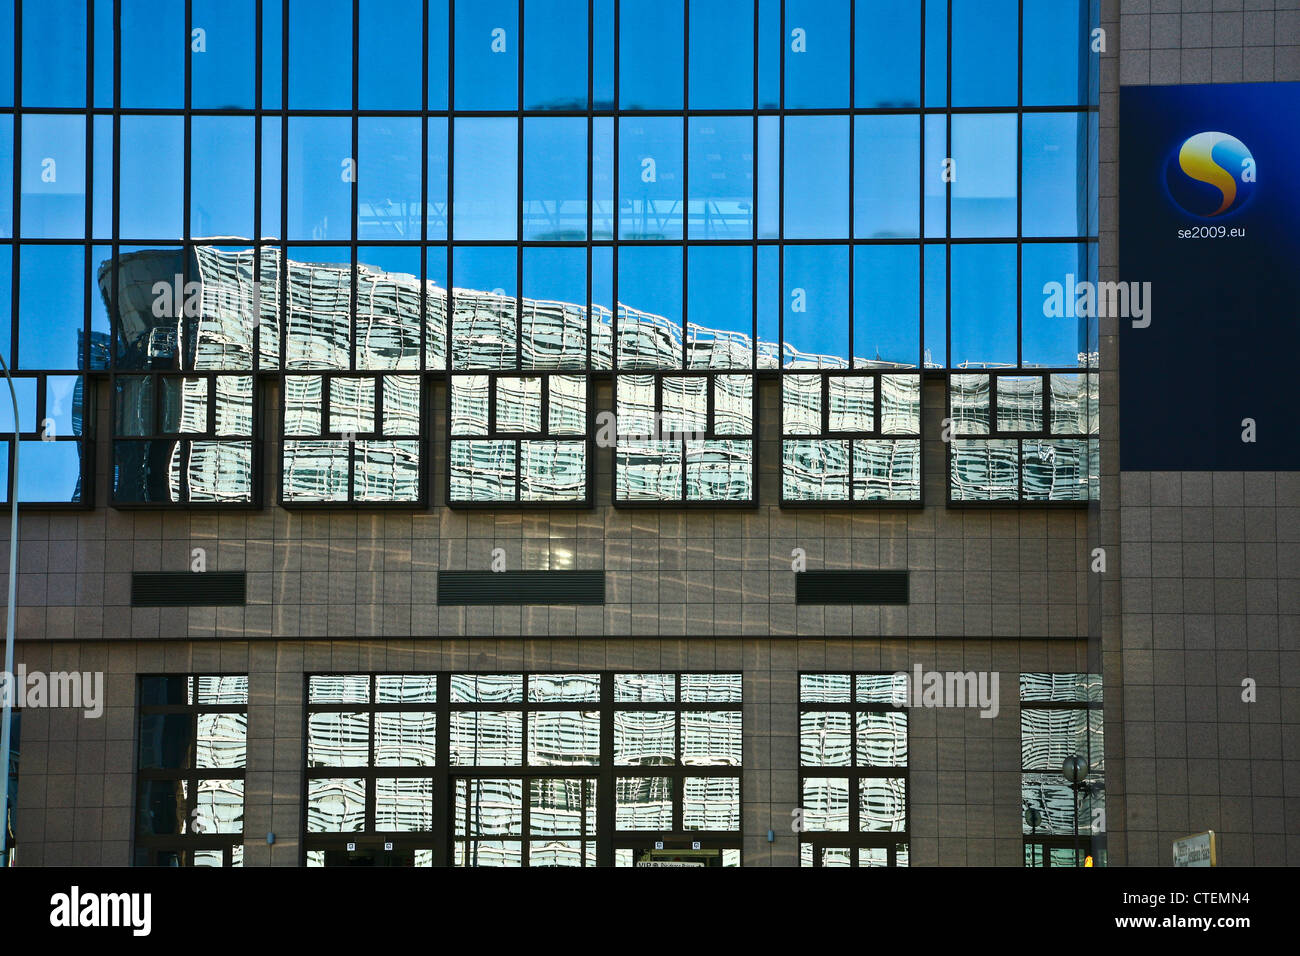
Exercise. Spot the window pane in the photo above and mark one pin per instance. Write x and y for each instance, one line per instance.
(826, 803)
(650, 43)
(650, 307)
(1056, 52)
(6, 51)
(487, 55)
(223, 70)
(403, 804)
(153, 45)
(816, 53)
(54, 52)
(338, 740)
(221, 176)
(643, 803)
(1055, 174)
(554, 323)
(388, 180)
(7, 162)
(53, 177)
(336, 805)
(1053, 334)
(555, 69)
(555, 178)
(320, 54)
(886, 306)
(816, 200)
(721, 177)
(320, 184)
(888, 68)
(484, 307)
(390, 46)
(650, 178)
(152, 177)
(816, 306)
(985, 52)
(318, 326)
(886, 177)
(405, 739)
(825, 739)
(720, 323)
(644, 737)
(51, 307)
(711, 803)
(439, 66)
(486, 188)
(722, 55)
(480, 738)
(984, 190)
(983, 325)
(882, 804)
(562, 738)
(645, 688)
(882, 739)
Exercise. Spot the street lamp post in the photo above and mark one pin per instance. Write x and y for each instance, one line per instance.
(1033, 819)
(1075, 771)
(10, 689)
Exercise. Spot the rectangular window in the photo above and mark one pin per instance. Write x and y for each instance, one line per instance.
(851, 437)
(1061, 718)
(684, 438)
(193, 752)
(518, 438)
(351, 438)
(512, 769)
(853, 770)
(1023, 437)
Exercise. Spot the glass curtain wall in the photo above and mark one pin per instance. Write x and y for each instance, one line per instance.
(343, 202)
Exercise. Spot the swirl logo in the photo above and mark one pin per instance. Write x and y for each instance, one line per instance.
(1211, 174)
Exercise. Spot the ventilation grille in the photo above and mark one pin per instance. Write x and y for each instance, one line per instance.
(521, 587)
(850, 587)
(187, 589)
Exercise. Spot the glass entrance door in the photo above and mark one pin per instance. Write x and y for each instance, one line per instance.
(370, 853)
(672, 853)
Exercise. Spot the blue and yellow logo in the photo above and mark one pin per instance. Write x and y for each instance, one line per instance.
(1211, 174)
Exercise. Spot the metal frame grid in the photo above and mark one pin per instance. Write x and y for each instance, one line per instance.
(854, 839)
(441, 840)
(271, 105)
